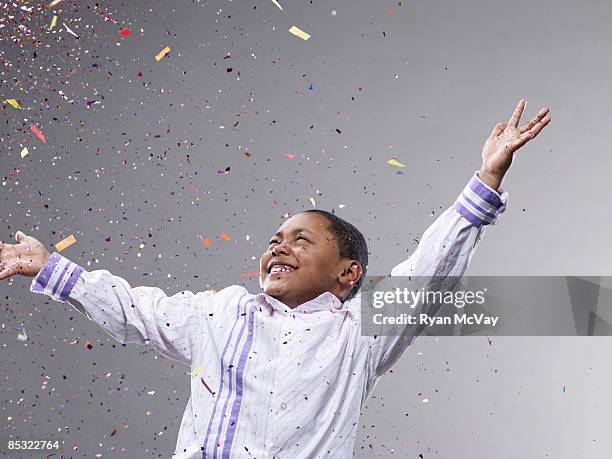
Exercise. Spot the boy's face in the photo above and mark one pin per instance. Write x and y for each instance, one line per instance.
(307, 262)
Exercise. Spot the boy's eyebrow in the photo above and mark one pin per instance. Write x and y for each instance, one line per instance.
(297, 230)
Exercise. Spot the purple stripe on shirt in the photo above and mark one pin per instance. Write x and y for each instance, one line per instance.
(61, 277)
(43, 277)
(467, 214)
(481, 190)
(230, 389)
(76, 272)
(477, 207)
(231, 430)
(212, 417)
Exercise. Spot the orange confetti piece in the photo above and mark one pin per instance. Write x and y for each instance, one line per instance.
(38, 134)
(64, 243)
(53, 3)
(207, 242)
(226, 237)
(162, 53)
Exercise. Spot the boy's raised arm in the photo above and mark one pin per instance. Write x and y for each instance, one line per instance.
(142, 315)
(447, 246)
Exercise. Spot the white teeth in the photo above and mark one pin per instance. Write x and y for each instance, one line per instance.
(281, 269)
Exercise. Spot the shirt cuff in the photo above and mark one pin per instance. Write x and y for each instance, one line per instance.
(480, 204)
(57, 277)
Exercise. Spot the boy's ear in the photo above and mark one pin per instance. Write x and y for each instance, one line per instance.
(352, 272)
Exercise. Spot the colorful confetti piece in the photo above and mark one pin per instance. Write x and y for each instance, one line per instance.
(53, 3)
(38, 134)
(395, 162)
(207, 242)
(24, 152)
(125, 32)
(162, 53)
(53, 22)
(226, 237)
(64, 243)
(299, 33)
(14, 103)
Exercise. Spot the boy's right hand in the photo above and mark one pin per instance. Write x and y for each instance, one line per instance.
(27, 257)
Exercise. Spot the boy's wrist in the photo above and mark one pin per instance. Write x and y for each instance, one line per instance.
(490, 179)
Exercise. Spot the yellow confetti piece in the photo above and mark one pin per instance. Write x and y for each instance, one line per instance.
(14, 103)
(53, 22)
(162, 53)
(395, 162)
(299, 33)
(197, 371)
(67, 242)
(276, 3)
(24, 152)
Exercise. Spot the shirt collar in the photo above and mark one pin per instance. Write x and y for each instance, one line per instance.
(325, 301)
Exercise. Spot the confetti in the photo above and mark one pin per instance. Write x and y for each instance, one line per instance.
(22, 336)
(38, 134)
(299, 33)
(64, 243)
(206, 385)
(125, 32)
(88, 344)
(14, 103)
(24, 152)
(70, 30)
(207, 242)
(289, 155)
(226, 237)
(389, 10)
(197, 371)
(162, 53)
(53, 3)
(395, 162)
(312, 201)
(276, 3)
(53, 22)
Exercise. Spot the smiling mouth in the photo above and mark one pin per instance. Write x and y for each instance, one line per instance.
(281, 270)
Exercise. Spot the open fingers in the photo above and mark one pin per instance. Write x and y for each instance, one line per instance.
(516, 116)
(532, 133)
(534, 120)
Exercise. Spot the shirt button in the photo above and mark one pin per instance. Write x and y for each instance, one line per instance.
(283, 406)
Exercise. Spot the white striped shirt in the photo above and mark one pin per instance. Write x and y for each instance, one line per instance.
(267, 380)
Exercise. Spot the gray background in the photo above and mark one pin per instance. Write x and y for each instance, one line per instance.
(425, 85)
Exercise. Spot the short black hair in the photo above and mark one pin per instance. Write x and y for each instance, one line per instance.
(351, 244)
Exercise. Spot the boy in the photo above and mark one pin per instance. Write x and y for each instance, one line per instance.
(282, 373)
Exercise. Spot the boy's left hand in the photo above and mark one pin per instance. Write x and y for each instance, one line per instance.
(499, 148)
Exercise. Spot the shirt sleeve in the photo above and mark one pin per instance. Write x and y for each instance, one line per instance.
(142, 315)
(442, 256)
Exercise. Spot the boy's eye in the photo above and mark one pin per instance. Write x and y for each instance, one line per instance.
(302, 237)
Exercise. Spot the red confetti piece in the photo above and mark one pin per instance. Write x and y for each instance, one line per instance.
(125, 32)
(289, 155)
(38, 134)
(206, 385)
